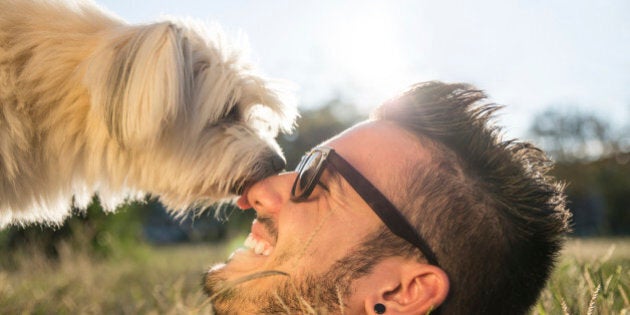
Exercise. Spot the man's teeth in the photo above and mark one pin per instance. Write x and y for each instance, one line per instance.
(249, 242)
(259, 247)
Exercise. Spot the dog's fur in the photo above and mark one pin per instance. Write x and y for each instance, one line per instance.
(90, 104)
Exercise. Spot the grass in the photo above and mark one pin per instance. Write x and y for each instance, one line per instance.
(163, 280)
(593, 277)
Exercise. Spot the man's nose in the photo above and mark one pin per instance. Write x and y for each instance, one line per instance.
(267, 195)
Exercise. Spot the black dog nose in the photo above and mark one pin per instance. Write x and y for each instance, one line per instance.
(278, 163)
(264, 167)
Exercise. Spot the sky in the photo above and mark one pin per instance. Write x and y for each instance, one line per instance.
(526, 55)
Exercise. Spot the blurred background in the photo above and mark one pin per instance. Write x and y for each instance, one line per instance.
(561, 68)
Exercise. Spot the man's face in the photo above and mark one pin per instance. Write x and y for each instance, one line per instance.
(303, 241)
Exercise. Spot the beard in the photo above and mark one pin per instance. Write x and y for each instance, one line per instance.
(311, 294)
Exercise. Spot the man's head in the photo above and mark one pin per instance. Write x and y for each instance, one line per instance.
(485, 209)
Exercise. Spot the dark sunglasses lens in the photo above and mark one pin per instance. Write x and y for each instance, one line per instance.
(307, 169)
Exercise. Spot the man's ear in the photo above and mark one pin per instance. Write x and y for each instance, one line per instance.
(403, 286)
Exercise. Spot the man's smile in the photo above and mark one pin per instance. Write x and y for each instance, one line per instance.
(258, 245)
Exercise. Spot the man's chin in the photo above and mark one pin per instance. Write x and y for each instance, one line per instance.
(237, 295)
(224, 297)
(212, 280)
(243, 270)
(231, 285)
(268, 292)
(244, 261)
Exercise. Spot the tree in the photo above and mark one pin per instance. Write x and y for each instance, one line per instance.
(316, 126)
(569, 135)
(591, 159)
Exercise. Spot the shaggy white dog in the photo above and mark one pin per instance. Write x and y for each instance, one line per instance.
(90, 104)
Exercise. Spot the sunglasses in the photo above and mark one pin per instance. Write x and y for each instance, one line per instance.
(310, 170)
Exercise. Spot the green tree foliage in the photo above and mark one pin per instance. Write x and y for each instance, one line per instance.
(317, 125)
(570, 135)
(599, 194)
(591, 157)
(92, 230)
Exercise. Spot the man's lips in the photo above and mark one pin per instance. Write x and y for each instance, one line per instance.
(262, 229)
(262, 238)
(261, 241)
(258, 240)
(258, 246)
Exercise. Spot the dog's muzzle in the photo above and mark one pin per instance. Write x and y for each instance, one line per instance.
(267, 167)
(278, 164)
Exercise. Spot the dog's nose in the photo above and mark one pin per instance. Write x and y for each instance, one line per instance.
(266, 167)
(278, 163)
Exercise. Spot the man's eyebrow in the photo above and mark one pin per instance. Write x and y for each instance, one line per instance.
(335, 180)
(325, 187)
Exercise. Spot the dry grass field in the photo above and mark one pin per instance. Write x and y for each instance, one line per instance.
(593, 277)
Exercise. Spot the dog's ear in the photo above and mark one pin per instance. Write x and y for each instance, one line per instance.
(140, 80)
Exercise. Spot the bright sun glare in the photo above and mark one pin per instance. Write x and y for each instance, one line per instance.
(365, 50)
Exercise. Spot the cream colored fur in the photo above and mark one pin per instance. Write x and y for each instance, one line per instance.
(90, 104)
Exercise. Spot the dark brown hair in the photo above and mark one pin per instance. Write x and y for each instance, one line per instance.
(487, 207)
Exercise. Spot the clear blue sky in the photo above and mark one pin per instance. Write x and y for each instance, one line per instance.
(527, 55)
